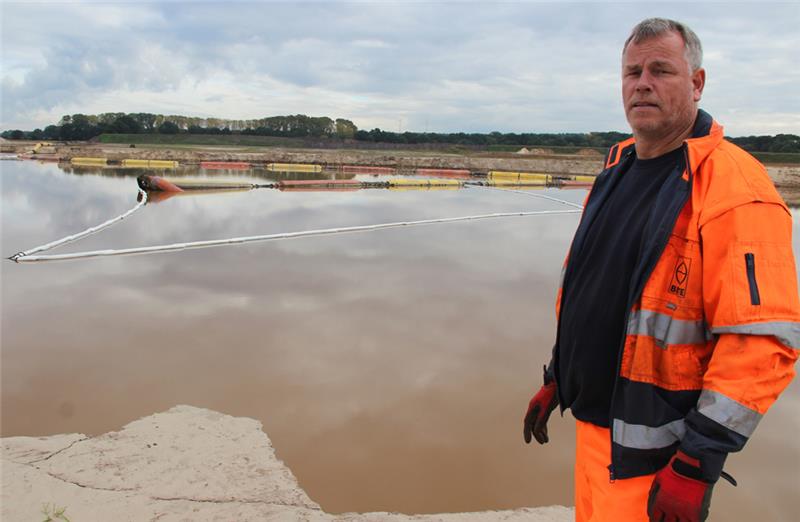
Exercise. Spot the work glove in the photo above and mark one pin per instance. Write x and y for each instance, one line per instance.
(539, 410)
(678, 492)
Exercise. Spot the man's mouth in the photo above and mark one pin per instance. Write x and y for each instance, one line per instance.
(644, 104)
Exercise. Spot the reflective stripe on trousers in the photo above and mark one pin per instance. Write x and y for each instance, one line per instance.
(597, 499)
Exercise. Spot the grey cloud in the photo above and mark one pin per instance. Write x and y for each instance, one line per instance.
(441, 66)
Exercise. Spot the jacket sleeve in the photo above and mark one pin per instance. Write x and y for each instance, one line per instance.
(753, 312)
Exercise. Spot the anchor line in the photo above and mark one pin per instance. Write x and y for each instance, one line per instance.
(142, 201)
(272, 237)
(531, 194)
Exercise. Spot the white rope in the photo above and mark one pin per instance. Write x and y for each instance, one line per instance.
(88, 232)
(271, 237)
(532, 194)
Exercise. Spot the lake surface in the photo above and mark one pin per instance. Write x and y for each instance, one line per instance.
(391, 369)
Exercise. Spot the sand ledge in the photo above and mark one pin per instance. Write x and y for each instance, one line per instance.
(183, 464)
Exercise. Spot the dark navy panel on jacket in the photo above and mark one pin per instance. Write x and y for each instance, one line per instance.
(602, 267)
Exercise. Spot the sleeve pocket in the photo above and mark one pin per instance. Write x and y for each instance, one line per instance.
(750, 265)
(764, 284)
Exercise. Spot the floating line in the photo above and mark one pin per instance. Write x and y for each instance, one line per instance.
(532, 194)
(19, 257)
(272, 237)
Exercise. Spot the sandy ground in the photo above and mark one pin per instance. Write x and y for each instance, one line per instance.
(184, 464)
(787, 181)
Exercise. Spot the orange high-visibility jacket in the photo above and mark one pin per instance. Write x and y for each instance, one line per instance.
(713, 322)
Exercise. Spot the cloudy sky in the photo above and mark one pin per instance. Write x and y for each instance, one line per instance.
(435, 66)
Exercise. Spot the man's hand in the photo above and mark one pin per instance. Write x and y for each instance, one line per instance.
(678, 493)
(539, 410)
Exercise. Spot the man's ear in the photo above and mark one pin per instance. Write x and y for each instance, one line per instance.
(698, 83)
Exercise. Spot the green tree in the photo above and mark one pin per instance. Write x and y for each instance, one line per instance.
(125, 125)
(146, 121)
(52, 132)
(107, 118)
(168, 127)
(78, 127)
(345, 129)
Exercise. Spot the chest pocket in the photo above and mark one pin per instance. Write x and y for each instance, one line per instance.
(677, 280)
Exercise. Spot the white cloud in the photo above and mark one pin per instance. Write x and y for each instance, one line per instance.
(371, 44)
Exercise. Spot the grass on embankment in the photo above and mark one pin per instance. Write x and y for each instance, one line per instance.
(777, 157)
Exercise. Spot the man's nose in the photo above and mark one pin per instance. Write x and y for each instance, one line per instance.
(644, 82)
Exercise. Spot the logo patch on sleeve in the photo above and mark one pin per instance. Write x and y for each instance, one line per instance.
(680, 277)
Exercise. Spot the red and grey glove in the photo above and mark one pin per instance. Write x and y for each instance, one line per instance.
(539, 410)
(678, 492)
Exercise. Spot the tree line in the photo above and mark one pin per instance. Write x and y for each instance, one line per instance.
(591, 139)
(777, 143)
(79, 127)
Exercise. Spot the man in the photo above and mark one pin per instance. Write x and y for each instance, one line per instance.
(678, 312)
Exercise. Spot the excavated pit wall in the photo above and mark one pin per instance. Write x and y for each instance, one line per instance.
(403, 160)
(183, 464)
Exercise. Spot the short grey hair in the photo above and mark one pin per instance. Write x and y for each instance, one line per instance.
(654, 27)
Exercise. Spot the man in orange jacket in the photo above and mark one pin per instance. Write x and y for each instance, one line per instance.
(678, 311)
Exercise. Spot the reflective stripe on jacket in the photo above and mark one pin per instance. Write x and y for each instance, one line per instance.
(713, 327)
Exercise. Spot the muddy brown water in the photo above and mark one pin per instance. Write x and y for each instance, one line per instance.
(391, 369)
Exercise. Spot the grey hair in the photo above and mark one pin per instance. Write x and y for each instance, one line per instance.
(653, 27)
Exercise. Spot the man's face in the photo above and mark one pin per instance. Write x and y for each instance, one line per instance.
(659, 91)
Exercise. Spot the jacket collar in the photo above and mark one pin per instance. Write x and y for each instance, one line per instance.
(706, 135)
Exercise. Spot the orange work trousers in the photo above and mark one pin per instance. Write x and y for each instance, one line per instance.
(597, 499)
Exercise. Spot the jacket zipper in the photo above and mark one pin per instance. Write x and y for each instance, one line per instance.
(611, 468)
(750, 263)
